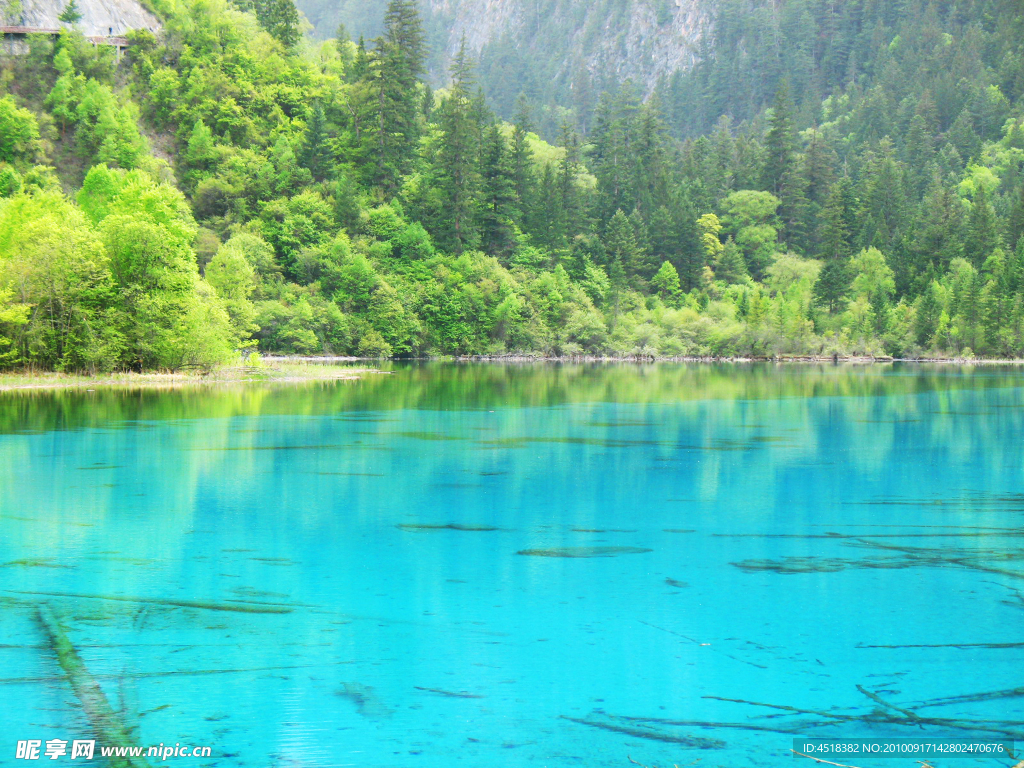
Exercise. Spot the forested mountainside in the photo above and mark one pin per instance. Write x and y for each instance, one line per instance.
(559, 54)
(828, 178)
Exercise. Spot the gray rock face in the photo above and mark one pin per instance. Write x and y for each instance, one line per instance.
(643, 39)
(639, 39)
(99, 17)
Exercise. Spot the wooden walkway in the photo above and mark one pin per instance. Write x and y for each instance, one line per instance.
(18, 33)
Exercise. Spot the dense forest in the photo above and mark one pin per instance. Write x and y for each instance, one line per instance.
(830, 178)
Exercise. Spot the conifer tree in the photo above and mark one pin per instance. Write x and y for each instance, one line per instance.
(939, 236)
(834, 279)
(71, 14)
(571, 209)
(666, 282)
(1015, 221)
(623, 251)
(401, 56)
(315, 153)
(523, 176)
(281, 19)
(498, 196)
(458, 156)
(730, 267)
(819, 172)
(391, 76)
(782, 174)
(780, 144)
(927, 311)
(982, 231)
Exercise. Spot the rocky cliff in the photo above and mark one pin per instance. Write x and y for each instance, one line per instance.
(99, 17)
(639, 39)
(535, 43)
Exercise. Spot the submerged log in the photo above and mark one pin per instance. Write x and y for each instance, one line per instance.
(945, 645)
(879, 700)
(796, 729)
(783, 707)
(1001, 727)
(970, 698)
(694, 742)
(173, 673)
(571, 552)
(237, 607)
(447, 527)
(367, 702)
(449, 694)
(107, 726)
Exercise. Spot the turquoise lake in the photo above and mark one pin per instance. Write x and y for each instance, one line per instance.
(522, 565)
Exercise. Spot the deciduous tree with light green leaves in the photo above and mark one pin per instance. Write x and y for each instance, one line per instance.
(172, 317)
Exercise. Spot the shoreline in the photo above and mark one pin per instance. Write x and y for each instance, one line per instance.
(300, 369)
(290, 372)
(634, 359)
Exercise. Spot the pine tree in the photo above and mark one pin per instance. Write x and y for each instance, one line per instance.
(939, 235)
(571, 209)
(730, 266)
(919, 153)
(927, 310)
(613, 143)
(620, 241)
(498, 196)
(780, 144)
(819, 171)
(685, 248)
(523, 176)
(458, 157)
(982, 230)
(402, 57)
(281, 19)
(884, 204)
(666, 282)
(71, 14)
(782, 174)
(834, 236)
(1015, 221)
(720, 178)
(315, 153)
(833, 281)
(880, 311)
(649, 157)
(544, 215)
(389, 100)
(963, 136)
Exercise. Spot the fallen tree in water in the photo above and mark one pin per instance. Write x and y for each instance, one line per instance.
(234, 607)
(694, 742)
(107, 726)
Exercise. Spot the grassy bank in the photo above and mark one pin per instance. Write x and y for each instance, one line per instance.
(280, 371)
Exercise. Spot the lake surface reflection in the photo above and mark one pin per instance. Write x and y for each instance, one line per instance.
(488, 565)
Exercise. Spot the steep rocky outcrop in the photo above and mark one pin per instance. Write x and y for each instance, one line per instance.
(639, 39)
(610, 39)
(99, 17)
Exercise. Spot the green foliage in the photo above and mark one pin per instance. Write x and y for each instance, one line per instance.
(837, 192)
(70, 14)
(750, 217)
(52, 260)
(667, 282)
(19, 133)
(13, 318)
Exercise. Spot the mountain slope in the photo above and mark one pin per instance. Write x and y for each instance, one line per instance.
(560, 53)
(99, 17)
(852, 182)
